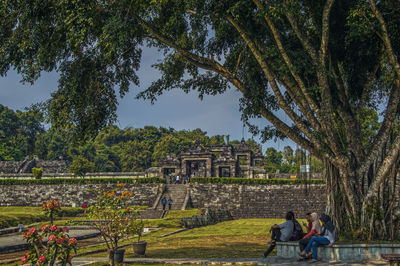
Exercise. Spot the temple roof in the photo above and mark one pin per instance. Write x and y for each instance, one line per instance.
(242, 147)
(169, 159)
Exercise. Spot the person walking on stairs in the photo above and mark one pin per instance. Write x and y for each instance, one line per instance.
(164, 203)
(169, 204)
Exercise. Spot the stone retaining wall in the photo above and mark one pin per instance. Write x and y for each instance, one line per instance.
(259, 201)
(71, 195)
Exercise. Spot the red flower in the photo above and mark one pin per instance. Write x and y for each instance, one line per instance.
(32, 231)
(65, 229)
(72, 241)
(60, 240)
(55, 203)
(23, 259)
(53, 228)
(45, 227)
(84, 206)
(42, 258)
(52, 238)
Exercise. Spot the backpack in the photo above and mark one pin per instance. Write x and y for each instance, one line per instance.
(297, 231)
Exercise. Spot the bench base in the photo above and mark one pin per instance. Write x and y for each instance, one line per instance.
(341, 252)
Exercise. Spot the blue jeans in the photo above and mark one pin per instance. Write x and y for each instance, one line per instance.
(316, 241)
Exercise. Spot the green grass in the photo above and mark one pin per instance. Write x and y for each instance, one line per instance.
(244, 238)
(12, 216)
(181, 214)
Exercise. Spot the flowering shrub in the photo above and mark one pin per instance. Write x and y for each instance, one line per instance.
(51, 208)
(57, 249)
(113, 218)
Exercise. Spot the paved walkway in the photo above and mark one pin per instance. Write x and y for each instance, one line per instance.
(270, 261)
(9, 241)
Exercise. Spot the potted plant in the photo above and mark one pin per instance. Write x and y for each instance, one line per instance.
(112, 216)
(136, 228)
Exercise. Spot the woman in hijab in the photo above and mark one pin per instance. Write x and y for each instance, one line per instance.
(314, 230)
(327, 237)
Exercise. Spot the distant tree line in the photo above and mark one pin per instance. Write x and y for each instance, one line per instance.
(23, 133)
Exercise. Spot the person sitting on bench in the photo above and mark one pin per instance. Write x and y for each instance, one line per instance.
(327, 238)
(282, 232)
(313, 229)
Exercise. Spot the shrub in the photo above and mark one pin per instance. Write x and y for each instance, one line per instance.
(58, 248)
(80, 166)
(56, 181)
(37, 172)
(115, 220)
(50, 209)
(253, 181)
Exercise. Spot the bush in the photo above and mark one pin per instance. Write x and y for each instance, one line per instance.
(37, 172)
(251, 181)
(55, 181)
(80, 166)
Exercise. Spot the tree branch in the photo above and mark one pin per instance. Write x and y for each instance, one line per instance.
(325, 31)
(287, 59)
(386, 39)
(214, 66)
(383, 170)
(366, 90)
(240, 58)
(323, 82)
(303, 39)
(385, 129)
(267, 71)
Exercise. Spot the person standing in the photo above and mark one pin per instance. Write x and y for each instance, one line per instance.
(164, 202)
(169, 204)
(282, 232)
(177, 179)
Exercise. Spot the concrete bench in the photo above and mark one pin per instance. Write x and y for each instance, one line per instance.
(394, 259)
(341, 252)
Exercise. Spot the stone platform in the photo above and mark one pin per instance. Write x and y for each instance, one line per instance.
(341, 252)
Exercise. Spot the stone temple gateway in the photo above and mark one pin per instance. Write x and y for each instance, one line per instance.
(214, 161)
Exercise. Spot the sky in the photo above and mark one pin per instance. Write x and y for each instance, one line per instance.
(214, 114)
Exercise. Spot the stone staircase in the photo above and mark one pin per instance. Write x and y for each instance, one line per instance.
(178, 193)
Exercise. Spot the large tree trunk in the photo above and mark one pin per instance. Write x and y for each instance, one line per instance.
(358, 216)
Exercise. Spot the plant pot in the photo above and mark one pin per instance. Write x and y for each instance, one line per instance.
(139, 247)
(119, 255)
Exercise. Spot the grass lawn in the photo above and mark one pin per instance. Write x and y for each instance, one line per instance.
(12, 216)
(244, 238)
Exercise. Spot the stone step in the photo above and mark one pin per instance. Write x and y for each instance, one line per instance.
(177, 193)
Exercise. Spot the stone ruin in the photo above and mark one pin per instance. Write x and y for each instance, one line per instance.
(25, 166)
(214, 161)
(211, 216)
